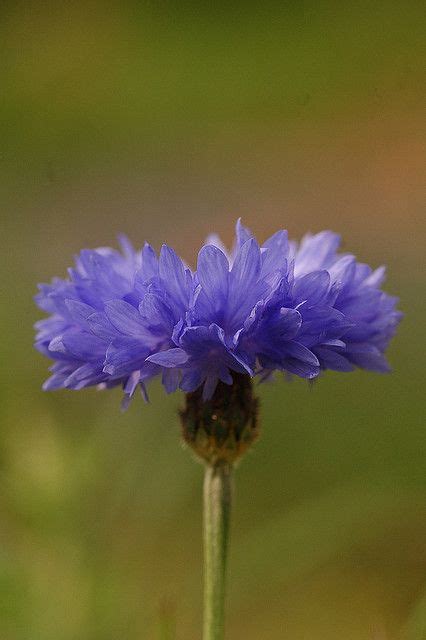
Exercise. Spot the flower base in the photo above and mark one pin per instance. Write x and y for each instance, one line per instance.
(225, 427)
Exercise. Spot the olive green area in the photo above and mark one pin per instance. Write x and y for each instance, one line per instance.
(168, 121)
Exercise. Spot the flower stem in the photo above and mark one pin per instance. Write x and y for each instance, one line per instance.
(217, 507)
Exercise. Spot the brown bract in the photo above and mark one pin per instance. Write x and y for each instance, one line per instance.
(223, 428)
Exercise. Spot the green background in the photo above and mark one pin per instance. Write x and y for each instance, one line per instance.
(167, 121)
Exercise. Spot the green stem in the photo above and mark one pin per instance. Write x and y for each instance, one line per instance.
(217, 507)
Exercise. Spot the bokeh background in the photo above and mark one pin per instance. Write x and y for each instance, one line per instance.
(166, 121)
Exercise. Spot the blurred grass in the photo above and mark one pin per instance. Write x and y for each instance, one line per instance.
(166, 123)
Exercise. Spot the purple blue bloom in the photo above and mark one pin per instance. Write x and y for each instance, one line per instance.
(122, 318)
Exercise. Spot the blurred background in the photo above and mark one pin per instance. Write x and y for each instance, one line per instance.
(167, 121)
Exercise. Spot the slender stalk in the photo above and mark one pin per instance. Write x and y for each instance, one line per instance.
(217, 507)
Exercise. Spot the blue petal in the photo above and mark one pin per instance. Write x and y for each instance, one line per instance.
(100, 326)
(173, 277)
(376, 278)
(156, 313)
(331, 359)
(54, 382)
(316, 252)
(124, 356)
(191, 380)
(215, 240)
(367, 356)
(170, 379)
(169, 358)
(213, 274)
(82, 346)
(242, 234)
(148, 270)
(246, 268)
(276, 253)
(313, 287)
(79, 311)
(288, 323)
(301, 353)
(125, 318)
(343, 270)
(132, 382)
(88, 370)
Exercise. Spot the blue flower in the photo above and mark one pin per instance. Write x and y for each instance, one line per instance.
(122, 318)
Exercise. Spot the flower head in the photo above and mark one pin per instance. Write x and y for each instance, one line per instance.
(122, 318)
